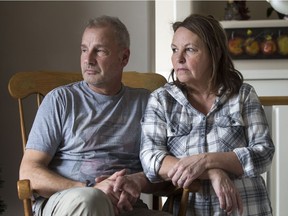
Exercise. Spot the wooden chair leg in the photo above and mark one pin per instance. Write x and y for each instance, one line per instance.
(27, 207)
(184, 203)
(170, 201)
(157, 202)
(194, 187)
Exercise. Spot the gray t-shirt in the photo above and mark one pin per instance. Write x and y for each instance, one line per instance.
(89, 134)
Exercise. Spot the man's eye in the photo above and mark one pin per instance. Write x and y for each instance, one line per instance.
(102, 52)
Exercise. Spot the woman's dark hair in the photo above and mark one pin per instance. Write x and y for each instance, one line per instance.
(209, 30)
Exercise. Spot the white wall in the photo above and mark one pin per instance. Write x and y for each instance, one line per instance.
(167, 12)
(46, 35)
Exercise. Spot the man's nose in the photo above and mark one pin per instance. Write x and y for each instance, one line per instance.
(90, 58)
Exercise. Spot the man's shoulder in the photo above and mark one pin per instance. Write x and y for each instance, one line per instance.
(137, 91)
(75, 86)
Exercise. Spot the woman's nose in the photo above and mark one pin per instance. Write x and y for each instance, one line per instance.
(180, 57)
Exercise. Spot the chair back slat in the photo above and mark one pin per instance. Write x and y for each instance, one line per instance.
(25, 84)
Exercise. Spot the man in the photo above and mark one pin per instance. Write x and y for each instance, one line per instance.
(90, 131)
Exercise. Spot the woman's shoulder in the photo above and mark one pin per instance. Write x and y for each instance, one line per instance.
(246, 88)
(169, 93)
(166, 89)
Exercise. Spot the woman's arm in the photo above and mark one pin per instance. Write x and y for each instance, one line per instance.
(185, 170)
(224, 188)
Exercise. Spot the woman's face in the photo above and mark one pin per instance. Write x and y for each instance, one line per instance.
(191, 58)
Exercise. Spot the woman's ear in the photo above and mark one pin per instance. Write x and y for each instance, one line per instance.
(219, 53)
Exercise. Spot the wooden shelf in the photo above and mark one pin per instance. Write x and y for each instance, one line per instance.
(274, 100)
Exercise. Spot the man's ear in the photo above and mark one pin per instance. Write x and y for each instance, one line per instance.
(125, 56)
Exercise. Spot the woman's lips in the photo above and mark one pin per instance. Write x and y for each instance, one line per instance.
(181, 69)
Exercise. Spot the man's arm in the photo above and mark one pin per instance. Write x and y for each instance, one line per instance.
(34, 166)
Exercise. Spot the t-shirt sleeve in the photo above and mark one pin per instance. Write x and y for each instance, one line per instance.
(45, 134)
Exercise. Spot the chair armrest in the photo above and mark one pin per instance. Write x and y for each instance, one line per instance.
(25, 194)
(24, 189)
(172, 190)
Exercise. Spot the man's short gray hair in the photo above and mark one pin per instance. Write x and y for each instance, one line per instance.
(120, 29)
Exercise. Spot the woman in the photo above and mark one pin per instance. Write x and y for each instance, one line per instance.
(208, 124)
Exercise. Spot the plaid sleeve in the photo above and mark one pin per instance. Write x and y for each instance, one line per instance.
(257, 157)
(153, 141)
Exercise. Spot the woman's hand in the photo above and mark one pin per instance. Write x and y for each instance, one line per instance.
(187, 169)
(228, 195)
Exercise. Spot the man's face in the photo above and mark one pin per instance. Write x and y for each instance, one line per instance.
(102, 59)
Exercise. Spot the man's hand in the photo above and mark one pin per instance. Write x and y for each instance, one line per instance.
(131, 189)
(122, 189)
(106, 184)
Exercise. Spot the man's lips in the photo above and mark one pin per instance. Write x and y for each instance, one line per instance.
(91, 71)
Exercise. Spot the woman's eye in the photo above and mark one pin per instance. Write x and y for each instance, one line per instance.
(174, 50)
(189, 49)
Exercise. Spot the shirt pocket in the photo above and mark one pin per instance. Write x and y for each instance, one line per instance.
(178, 137)
(230, 132)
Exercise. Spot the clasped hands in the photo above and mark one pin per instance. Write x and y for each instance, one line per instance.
(187, 169)
(121, 189)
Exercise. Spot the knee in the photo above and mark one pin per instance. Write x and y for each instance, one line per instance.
(90, 201)
(89, 197)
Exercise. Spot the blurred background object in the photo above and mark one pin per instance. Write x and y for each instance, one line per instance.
(236, 10)
(280, 6)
